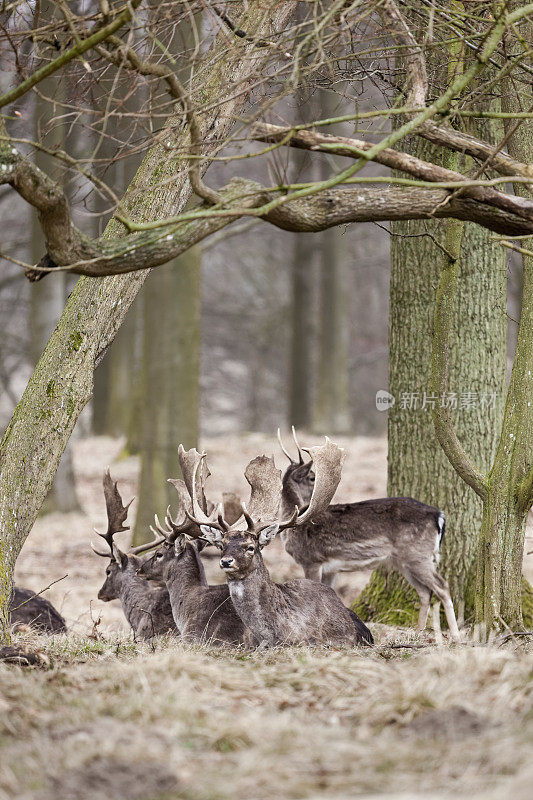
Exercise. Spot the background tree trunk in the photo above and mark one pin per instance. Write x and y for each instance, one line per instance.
(171, 369)
(303, 264)
(301, 322)
(46, 306)
(332, 407)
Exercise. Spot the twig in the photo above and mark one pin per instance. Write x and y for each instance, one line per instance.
(514, 634)
(38, 593)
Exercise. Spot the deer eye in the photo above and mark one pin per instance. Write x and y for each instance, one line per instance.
(159, 556)
(108, 572)
(250, 548)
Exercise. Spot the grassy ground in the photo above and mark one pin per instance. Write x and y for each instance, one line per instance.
(113, 719)
(106, 718)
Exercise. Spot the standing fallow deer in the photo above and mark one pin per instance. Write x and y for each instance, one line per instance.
(398, 532)
(201, 612)
(300, 611)
(147, 609)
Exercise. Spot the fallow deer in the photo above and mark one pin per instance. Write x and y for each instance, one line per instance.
(147, 609)
(27, 608)
(300, 611)
(201, 612)
(398, 532)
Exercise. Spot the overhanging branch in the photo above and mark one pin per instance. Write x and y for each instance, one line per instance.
(338, 206)
(425, 170)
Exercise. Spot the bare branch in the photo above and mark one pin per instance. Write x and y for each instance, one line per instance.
(68, 55)
(425, 170)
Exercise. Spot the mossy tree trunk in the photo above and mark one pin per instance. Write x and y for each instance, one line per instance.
(47, 298)
(417, 466)
(62, 382)
(500, 588)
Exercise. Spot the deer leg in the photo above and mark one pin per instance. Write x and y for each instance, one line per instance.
(425, 597)
(442, 590)
(446, 600)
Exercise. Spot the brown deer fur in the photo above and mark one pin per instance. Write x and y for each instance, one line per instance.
(398, 532)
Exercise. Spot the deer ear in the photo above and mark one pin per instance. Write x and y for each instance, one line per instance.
(211, 535)
(179, 545)
(120, 557)
(267, 534)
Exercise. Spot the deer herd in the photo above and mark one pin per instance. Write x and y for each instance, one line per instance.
(167, 592)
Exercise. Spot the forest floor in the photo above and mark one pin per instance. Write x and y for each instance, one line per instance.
(106, 717)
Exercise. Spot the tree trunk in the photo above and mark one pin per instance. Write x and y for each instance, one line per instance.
(62, 382)
(332, 406)
(500, 586)
(417, 466)
(302, 291)
(46, 306)
(171, 367)
(300, 364)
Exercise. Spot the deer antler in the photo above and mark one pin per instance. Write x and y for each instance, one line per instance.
(192, 466)
(301, 459)
(116, 516)
(188, 460)
(327, 465)
(283, 450)
(327, 462)
(266, 487)
(156, 541)
(300, 455)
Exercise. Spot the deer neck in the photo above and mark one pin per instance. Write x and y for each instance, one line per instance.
(185, 575)
(136, 597)
(251, 597)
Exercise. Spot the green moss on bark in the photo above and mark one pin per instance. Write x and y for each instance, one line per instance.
(389, 599)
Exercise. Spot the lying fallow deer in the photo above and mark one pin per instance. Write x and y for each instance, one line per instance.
(147, 610)
(300, 611)
(395, 531)
(27, 608)
(201, 612)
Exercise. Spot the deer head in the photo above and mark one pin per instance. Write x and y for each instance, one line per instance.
(172, 538)
(172, 543)
(299, 477)
(119, 562)
(241, 545)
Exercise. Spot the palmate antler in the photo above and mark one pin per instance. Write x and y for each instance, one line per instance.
(263, 510)
(116, 516)
(327, 463)
(195, 505)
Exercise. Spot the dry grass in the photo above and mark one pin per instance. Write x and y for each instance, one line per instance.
(114, 719)
(106, 718)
